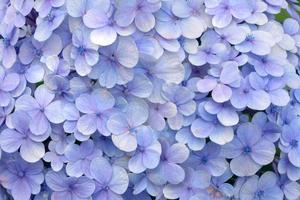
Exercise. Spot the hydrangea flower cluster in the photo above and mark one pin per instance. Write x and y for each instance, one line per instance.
(149, 99)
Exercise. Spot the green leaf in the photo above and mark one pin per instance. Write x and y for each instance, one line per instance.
(282, 15)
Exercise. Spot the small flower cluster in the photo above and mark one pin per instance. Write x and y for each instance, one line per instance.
(142, 99)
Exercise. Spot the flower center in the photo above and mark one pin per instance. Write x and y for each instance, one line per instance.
(6, 42)
(246, 90)
(21, 174)
(250, 38)
(247, 150)
(50, 17)
(294, 143)
(38, 52)
(259, 194)
(81, 50)
(204, 160)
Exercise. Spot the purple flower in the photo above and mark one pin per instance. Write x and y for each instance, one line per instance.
(83, 52)
(208, 53)
(182, 97)
(56, 160)
(289, 142)
(8, 83)
(125, 126)
(15, 13)
(169, 169)
(44, 6)
(10, 35)
(20, 137)
(257, 42)
(5, 111)
(286, 167)
(224, 11)
(111, 180)
(291, 189)
(147, 155)
(105, 30)
(185, 136)
(229, 77)
(207, 125)
(194, 181)
(226, 113)
(209, 160)
(69, 187)
(270, 130)
(137, 11)
(191, 13)
(96, 108)
(32, 51)
(219, 188)
(79, 158)
(115, 64)
(42, 110)
(48, 23)
(21, 178)
(250, 148)
(245, 95)
(264, 187)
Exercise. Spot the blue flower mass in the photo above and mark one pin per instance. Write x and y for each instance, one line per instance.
(149, 99)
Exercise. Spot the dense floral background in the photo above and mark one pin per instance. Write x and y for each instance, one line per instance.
(149, 99)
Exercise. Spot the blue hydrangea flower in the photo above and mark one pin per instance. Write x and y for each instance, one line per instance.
(273, 86)
(257, 14)
(56, 160)
(159, 113)
(286, 167)
(250, 148)
(192, 15)
(207, 125)
(194, 181)
(111, 180)
(182, 97)
(225, 10)
(9, 82)
(257, 42)
(96, 108)
(69, 187)
(41, 109)
(44, 6)
(105, 29)
(83, 52)
(138, 11)
(10, 35)
(21, 178)
(125, 126)
(115, 65)
(225, 112)
(16, 12)
(221, 86)
(270, 130)
(20, 137)
(289, 142)
(209, 160)
(264, 187)
(169, 169)
(219, 188)
(207, 53)
(185, 136)
(79, 158)
(245, 95)
(291, 189)
(147, 155)
(48, 23)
